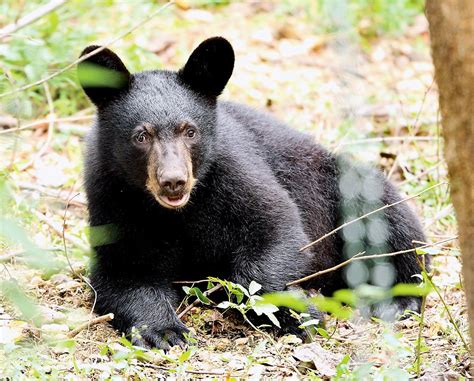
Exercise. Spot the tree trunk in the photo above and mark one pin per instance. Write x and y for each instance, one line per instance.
(452, 40)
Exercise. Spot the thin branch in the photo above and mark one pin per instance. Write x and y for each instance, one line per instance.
(42, 122)
(20, 253)
(369, 214)
(450, 316)
(7, 257)
(421, 174)
(49, 193)
(86, 56)
(77, 242)
(420, 331)
(63, 233)
(198, 372)
(197, 301)
(446, 211)
(8, 121)
(31, 17)
(390, 139)
(49, 137)
(359, 256)
(83, 278)
(97, 320)
(190, 281)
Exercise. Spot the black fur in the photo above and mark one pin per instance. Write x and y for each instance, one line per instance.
(263, 191)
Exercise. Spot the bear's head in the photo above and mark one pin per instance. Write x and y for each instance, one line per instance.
(158, 128)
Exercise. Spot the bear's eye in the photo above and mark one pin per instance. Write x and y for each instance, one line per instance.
(191, 132)
(141, 137)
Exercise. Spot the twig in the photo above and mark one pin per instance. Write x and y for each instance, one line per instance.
(8, 121)
(448, 311)
(97, 320)
(80, 276)
(46, 144)
(31, 17)
(7, 257)
(203, 372)
(420, 331)
(77, 242)
(359, 256)
(421, 174)
(48, 192)
(41, 122)
(86, 56)
(440, 215)
(197, 301)
(342, 264)
(20, 253)
(369, 214)
(63, 233)
(388, 139)
(190, 281)
(9, 77)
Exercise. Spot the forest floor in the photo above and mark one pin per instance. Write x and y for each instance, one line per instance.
(376, 100)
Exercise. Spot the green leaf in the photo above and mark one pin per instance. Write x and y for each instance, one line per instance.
(226, 304)
(92, 75)
(203, 298)
(411, 289)
(264, 308)
(17, 297)
(254, 287)
(323, 332)
(290, 299)
(396, 374)
(346, 296)
(102, 234)
(332, 306)
(273, 319)
(241, 289)
(184, 356)
(195, 291)
(372, 293)
(310, 323)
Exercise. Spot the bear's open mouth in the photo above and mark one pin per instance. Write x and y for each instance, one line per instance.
(174, 201)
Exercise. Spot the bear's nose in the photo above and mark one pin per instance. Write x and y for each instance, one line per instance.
(173, 182)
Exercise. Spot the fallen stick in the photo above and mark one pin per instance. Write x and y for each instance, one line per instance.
(76, 241)
(97, 320)
(42, 122)
(359, 256)
(369, 214)
(86, 56)
(197, 301)
(31, 17)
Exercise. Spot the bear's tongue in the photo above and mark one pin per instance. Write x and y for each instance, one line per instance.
(175, 201)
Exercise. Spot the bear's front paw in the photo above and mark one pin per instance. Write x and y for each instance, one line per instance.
(291, 325)
(160, 337)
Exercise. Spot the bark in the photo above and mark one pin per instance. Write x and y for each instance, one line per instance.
(452, 40)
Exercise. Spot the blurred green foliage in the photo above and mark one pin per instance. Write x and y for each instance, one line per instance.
(370, 18)
(57, 39)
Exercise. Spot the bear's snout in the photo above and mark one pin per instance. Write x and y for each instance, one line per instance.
(173, 182)
(170, 174)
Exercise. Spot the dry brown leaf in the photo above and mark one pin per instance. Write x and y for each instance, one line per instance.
(323, 360)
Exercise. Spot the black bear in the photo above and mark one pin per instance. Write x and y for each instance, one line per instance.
(195, 187)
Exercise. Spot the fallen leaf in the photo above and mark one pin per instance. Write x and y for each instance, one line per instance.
(13, 331)
(324, 361)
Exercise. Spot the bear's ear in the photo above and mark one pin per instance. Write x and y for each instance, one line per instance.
(102, 76)
(209, 67)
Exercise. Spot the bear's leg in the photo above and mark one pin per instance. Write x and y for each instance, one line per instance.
(273, 269)
(144, 310)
